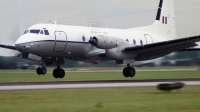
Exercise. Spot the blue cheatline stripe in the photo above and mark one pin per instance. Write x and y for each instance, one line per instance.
(56, 41)
(165, 20)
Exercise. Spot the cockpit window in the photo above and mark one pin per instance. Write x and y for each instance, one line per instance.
(26, 31)
(41, 32)
(46, 32)
(34, 31)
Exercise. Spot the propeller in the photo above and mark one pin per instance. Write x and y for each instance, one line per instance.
(15, 32)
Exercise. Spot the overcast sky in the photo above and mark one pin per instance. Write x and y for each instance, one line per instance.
(17, 15)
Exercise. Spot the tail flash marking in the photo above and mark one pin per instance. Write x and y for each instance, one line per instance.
(161, 3)
(164, 20)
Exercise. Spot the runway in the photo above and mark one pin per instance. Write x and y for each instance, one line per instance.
(93, 84)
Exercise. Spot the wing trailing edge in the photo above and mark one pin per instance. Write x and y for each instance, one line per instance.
(191, 49)
(155, 50)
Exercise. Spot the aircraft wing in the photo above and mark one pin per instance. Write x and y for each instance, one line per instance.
(191, 49)
(155, 50)
(8, 47)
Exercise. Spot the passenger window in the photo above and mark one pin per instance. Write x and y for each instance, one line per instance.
(141, 42)
(83, 38)
(134, 42)
(34, 31)
(46, 32)
(41, 32)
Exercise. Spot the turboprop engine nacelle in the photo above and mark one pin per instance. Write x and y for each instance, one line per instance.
(104, 42)
(112, 46)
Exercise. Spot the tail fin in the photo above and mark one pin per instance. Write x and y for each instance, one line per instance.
(165, 20)
(164, 26)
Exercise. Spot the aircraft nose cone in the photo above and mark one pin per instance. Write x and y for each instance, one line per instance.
(21, 45)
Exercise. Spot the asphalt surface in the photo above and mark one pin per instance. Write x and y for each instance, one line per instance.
(93, 84)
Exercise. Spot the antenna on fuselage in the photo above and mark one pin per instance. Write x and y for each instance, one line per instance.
(90, 24)
(55, 22)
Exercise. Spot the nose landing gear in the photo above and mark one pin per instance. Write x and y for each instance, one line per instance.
(42, 69)
(129, 71)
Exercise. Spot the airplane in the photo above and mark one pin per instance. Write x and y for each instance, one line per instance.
(51, 44)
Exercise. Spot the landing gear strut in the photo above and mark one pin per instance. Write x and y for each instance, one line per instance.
(129, 71)
(58, 72)
(42, 69)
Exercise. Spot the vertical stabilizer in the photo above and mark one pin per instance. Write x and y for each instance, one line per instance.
(164, 25)
(165, 20)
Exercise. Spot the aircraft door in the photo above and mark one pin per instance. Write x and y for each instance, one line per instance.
(60, 41)
(148, 38)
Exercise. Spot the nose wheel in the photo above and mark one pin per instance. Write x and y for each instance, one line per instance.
(41, 70)
(129, 71)
(58, 72)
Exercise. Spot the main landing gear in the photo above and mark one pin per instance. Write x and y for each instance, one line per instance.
(129, 71)
(58, 72)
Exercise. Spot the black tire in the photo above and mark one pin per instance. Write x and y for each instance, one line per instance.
(55, 73)
(131, 71)
(43, 70)
(125, 72)
(38, 70)
(61, 73)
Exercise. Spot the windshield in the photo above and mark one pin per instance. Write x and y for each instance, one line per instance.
(34, 31)
(46, 32)
(37, 31)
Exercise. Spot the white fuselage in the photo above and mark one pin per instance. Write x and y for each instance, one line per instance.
(72, 42)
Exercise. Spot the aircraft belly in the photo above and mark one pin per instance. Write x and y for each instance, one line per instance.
(59, 46)
(47, 49)
(75, 50)
(42, 48)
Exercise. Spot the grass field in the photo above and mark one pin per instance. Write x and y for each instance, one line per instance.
(99, 100)
(31, 76)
